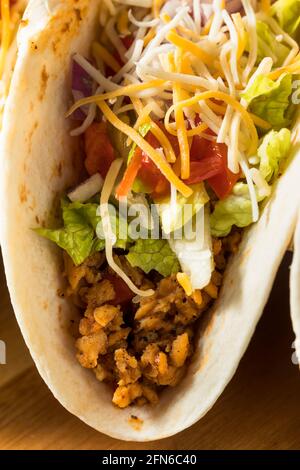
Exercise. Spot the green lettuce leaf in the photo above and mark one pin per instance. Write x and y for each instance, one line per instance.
(78, 235)
(268, 46)
(174, 220)
(269, 99)
(236, 209)
(287, 13)
(153, 254)
(272, 151)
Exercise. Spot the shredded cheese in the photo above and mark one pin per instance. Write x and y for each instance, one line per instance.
(252, 38)
(293, 68)
(189, 46)
(258, 121)
(263, 187)
(233, 144)
(129, 90)
(124, 109)
(266, 5)
(136, 3)
(287, 39)
(110, 237)
(197, 15)
(100, 51)
(114, 38)
(155, 156)
(122, 23)
(252, 193)
(234, 46)
(164, 141)
(216, 19)
(136, 53)
(207, 27)
(142, 24)
(240, 29)
(156, 7)
(149, 36)
(230, 101)
(143, 117)
(179, 119)
(184, 79)
(105, 83)
(185, 282)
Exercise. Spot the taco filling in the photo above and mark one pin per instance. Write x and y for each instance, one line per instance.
(183, 110)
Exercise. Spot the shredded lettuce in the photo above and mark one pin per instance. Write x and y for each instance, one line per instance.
(287, 12)
(174, 218)
(268, 45)
(272, 151)
(195, 255)
(236, 209)
(155, 255)
(78, 235)
(269, 99)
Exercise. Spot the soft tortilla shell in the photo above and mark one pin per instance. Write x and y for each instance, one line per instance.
(39, 160)
(295, 288)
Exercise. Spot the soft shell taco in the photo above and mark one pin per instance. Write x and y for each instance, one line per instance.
(181, 104)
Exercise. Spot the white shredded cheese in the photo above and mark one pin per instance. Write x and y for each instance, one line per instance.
(197, 15)
(142, 24)
(105, 83)
(110, 237)
(252, 38)
(87, 189)
(136, 3)
(253, 197)
(263, 188)
(136, 53)
(234, 46)
(114, 37)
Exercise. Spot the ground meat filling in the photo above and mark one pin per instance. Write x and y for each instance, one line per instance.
(142, 346)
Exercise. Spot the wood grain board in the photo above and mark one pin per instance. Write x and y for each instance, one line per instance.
(260, 409)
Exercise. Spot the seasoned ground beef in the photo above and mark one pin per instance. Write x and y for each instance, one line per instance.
(143, 345)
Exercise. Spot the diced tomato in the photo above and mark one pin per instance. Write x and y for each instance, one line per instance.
(99, 151)
(199, 148)
(217, 174)
(203, 169)
(223, 182)
(142, 167)
(127, 41)
(123, 293)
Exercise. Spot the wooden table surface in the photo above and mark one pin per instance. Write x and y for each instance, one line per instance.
(260, 409)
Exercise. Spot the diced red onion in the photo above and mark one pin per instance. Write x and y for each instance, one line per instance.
(82, 86)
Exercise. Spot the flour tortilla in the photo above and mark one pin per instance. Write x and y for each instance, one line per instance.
(295, 288)
(39, 161)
